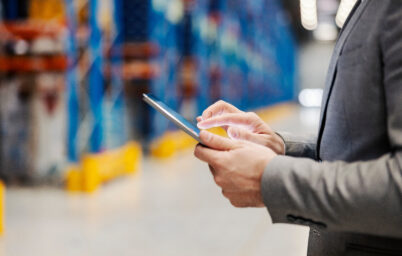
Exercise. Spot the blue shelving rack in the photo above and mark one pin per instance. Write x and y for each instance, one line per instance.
(88, 101)
(118, 129)
(15, 9)
(163, 32)
(96, 86)
(73, 118)
(251, 46)
(200, 50)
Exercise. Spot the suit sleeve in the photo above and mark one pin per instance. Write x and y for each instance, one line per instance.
(299, 146)
(359, 197)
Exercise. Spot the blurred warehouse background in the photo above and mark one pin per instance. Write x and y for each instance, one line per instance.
(72, 73)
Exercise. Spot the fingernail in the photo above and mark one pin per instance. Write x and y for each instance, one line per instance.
(203, 125)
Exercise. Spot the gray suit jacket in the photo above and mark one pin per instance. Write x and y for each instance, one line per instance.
(346, 183)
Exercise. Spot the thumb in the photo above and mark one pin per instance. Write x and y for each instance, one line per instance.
(216, 142)
(238, 133)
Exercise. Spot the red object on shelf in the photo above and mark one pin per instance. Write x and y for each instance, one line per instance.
(33, 64)
(140, 70)
(140, 50)
(30, 30)
(188, 77)
(216, 17)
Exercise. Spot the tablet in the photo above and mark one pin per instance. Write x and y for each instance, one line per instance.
(173, 116)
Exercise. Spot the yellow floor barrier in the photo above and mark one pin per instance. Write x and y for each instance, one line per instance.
(2, 206)
(175, 141)
(96, 169)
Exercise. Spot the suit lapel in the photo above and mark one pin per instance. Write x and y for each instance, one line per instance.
(345, 32)
(351, 14)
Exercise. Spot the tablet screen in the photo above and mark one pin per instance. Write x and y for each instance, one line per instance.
(173, 116)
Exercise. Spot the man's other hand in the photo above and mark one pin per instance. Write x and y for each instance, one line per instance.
(237, 167)
(241, 125)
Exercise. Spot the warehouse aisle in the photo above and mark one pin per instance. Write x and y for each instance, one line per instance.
(171, 208)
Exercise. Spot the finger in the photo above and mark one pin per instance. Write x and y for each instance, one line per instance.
(199, 119)
(207, 155)
(212, 169)
(218, 108)
(238, 133)
(244, 120)
(217, 142)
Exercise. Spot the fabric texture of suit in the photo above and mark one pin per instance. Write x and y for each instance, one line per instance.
(346, 182)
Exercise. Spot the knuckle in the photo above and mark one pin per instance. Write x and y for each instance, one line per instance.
(218, 180)
(249, 116)
(235, 203)
(243, 143)
(221, 102)
(225, 194)
(241, 205)
(252, 115)
(196, 152)
(246, 135)
(211, 137)
(197, 149)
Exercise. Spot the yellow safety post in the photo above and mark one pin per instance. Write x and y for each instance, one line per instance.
(74, 179)
(184, 141)
(96, 169)
(46, 10)
(2, 206)
(132, 157)
(165, 146)
(276, 112)
(90, 173)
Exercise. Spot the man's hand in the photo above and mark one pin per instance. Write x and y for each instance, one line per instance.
(237, 167)
(241, 125)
